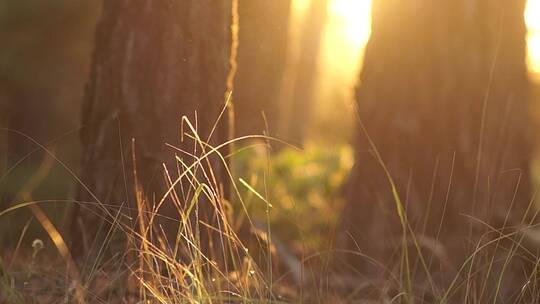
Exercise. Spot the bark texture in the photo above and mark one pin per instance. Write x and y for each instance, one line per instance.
(261, 63)
(442, 95)
(154, 61)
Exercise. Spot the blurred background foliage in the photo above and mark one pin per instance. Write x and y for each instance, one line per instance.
(303, 188)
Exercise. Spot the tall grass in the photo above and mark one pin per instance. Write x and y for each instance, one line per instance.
(282, 267)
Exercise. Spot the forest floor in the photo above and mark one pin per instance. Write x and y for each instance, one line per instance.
(294, 195)
(291, 200)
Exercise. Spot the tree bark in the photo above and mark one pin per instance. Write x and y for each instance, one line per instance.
(261, 63)
(443, 98)
(154, 62)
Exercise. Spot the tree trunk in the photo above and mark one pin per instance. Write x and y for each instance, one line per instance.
(261, 63)
(442, 96)
(298, 95)
(154, 61)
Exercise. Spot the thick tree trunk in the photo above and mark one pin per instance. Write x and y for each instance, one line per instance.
(442, 96)
(154, 62)
(261, 63)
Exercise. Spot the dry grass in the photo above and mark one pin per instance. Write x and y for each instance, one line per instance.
(148, 268)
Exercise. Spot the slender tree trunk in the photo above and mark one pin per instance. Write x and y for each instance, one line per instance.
(298, 94)
(4, 119)
(154, 62)
(442, 97)
(261, 63)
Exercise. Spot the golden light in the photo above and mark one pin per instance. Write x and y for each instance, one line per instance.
(354, 17)
(300, 5)
(532, 19)
(346, 32)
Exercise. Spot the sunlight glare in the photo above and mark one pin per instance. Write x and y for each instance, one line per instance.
(300, 5)
(355, 16)
(346, 32)
(532, 19)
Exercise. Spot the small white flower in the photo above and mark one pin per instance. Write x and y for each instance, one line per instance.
(37, 245)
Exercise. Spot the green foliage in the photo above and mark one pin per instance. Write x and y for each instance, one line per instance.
(303, 186)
